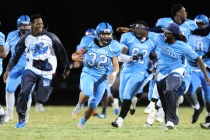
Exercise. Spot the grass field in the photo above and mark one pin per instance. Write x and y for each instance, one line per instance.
(56, 124)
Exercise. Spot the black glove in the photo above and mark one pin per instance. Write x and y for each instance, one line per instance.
(137, 56)
(208, 69)
(206, 55)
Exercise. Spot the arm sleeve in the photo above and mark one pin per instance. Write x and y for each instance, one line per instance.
(125, 58)
(155, 29)
(60, 52)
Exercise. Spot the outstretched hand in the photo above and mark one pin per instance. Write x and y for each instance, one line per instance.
(77, 57)
(122, 29)
(112, 78)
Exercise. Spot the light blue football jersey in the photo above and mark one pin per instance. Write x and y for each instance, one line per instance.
(201, 45)
(186, 27)
(97, 59)
(12, 39)
(135, 46)
(170, 55)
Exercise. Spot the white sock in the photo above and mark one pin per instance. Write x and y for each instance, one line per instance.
(159, 103)
(197, 106)
(155, 93)
(10, 100)
(151, 104)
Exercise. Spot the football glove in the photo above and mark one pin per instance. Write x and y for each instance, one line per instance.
(208, 69)
(137, 56)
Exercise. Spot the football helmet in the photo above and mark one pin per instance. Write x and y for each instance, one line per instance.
(104, 32)
(90, 32)
(24, 20)
(201, 18)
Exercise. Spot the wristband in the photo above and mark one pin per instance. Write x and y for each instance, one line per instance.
(114, 73)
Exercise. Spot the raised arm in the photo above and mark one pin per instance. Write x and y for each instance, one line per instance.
(139, 32)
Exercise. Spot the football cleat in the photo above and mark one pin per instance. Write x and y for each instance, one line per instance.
(20, 125)
(118, 122)
(170, 125)
(151, 117)
(76, 111)
(147, 125)
(101, 116)
(80, 126)
(8, 115)
(196, 114)
(205, 125)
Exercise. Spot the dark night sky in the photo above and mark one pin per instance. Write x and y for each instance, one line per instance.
(69, 19)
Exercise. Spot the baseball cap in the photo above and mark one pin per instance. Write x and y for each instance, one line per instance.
(172, 28)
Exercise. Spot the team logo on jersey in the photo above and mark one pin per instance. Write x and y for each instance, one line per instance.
(39, 49)
(169, 51)
(100, 51)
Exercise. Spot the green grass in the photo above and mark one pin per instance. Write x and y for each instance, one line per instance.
(56, 124)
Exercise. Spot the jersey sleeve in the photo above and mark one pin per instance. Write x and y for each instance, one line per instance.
(125, 38)
(163, 22)
(191, 24)
(60, 51)
(116, 48)
(85, 42)
(190, 53)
